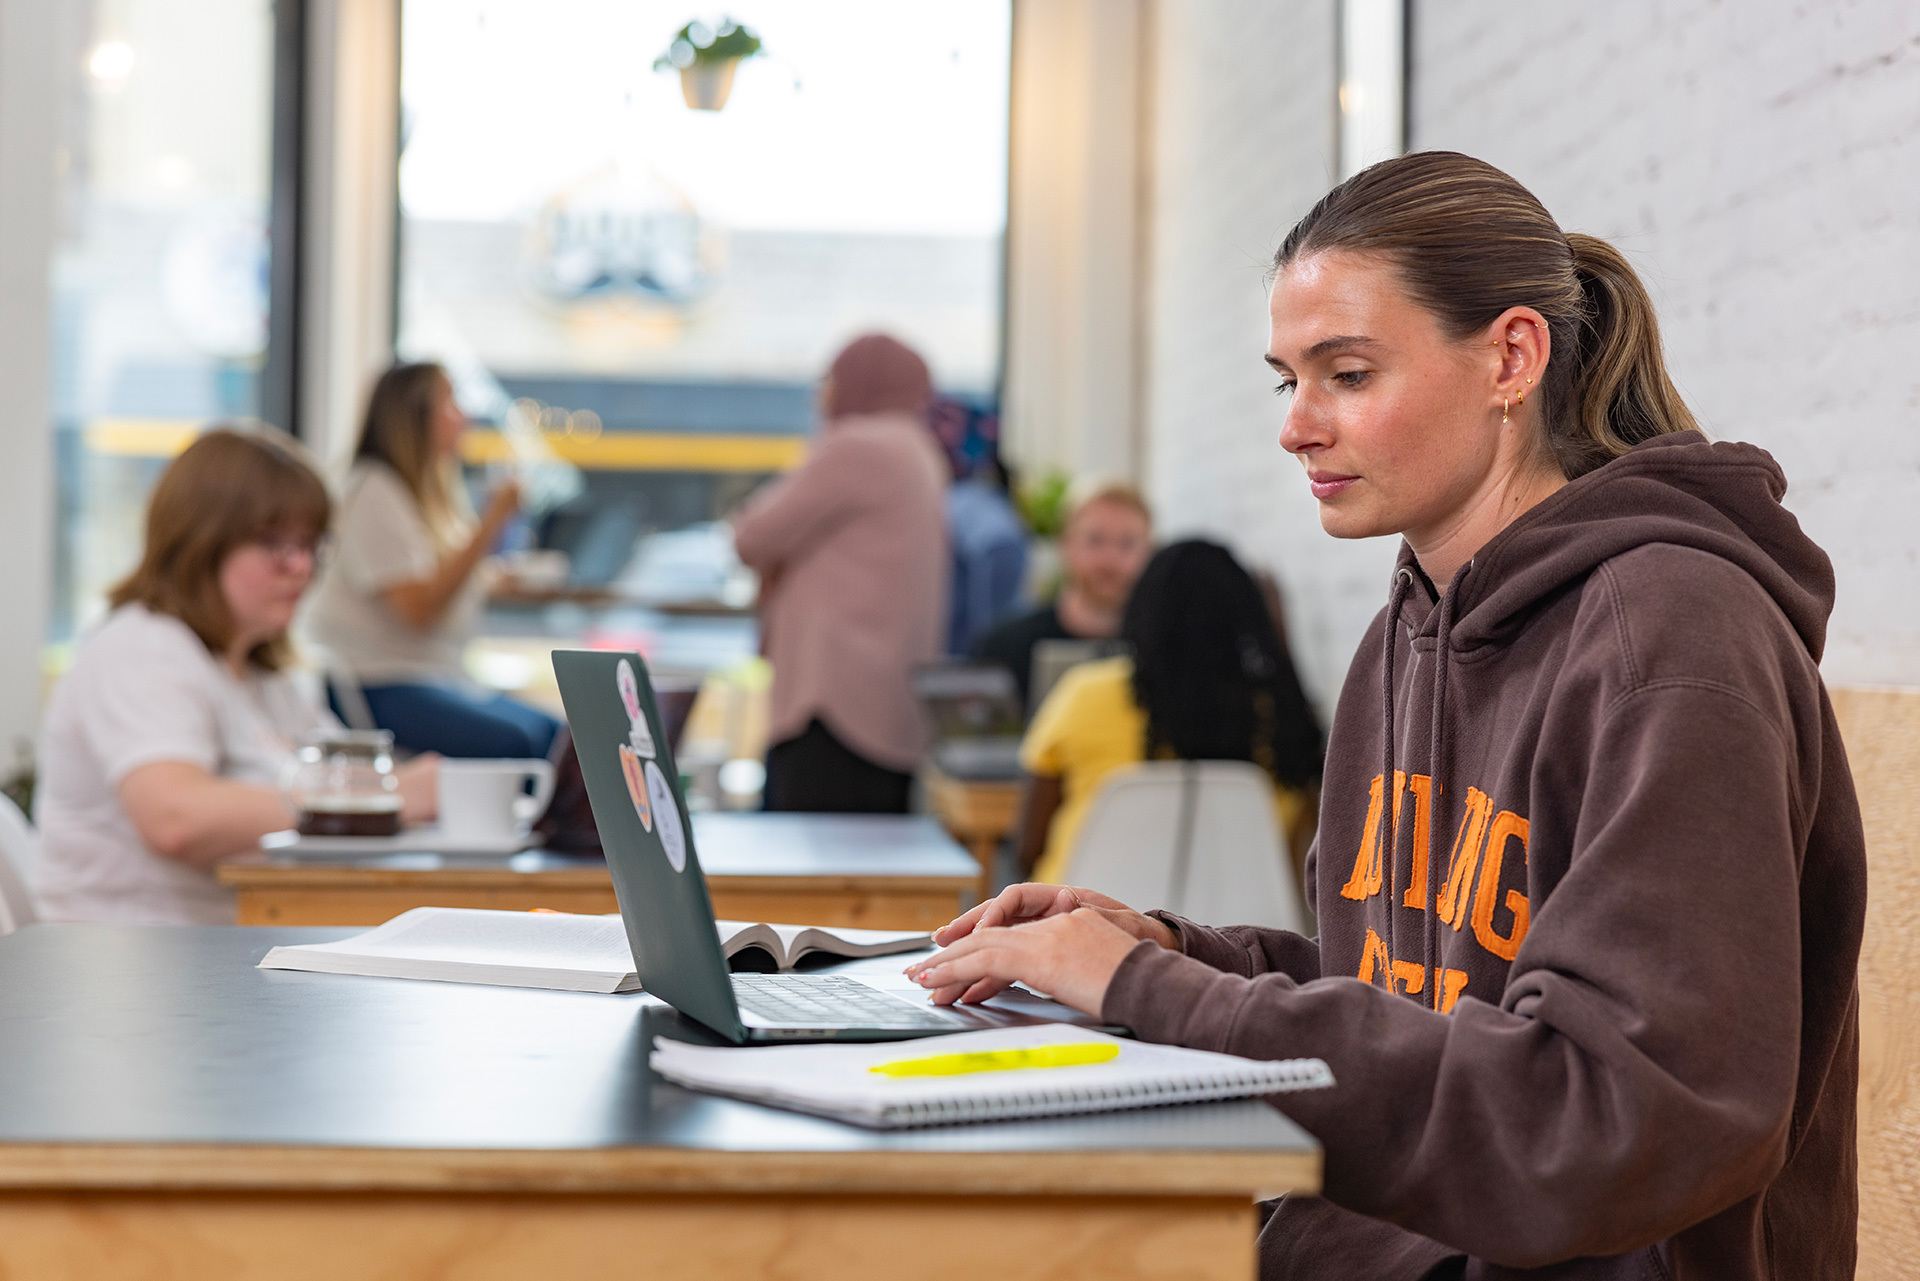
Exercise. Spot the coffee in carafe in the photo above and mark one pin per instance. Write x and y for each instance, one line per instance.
(343, 784)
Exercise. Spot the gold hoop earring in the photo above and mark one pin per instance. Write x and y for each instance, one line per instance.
(1504, 403)
(1522, 398)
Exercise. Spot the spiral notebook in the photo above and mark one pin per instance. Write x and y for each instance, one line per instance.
(995, 1075)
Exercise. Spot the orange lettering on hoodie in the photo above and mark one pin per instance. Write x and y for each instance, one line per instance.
(1466, 855)
(1365, 881)
(1409, 977)
(1423, 791)
(1449, 985)
(1507, 827)
(1374, 957)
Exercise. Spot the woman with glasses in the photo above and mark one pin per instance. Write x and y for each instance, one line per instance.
(402, 595)
(166, 743)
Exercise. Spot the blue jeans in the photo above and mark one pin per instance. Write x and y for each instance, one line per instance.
(454, 722)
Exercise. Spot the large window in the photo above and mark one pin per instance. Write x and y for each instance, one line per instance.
(160, 271)
(659, 288)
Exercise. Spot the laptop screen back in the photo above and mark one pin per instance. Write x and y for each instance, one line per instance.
(641, 811)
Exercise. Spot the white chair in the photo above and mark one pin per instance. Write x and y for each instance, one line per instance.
(19, 852)
(1195, 837)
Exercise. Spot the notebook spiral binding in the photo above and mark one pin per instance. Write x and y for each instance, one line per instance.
(1273, 1078)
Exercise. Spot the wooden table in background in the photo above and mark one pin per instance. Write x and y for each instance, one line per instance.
(168, 1110)
(981, 814)
(808, 869)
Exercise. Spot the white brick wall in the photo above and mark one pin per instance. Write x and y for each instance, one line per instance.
(1759, 162)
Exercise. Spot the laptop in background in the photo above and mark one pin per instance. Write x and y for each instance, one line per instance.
(977, 720)
(1052, 659)
(640, 809)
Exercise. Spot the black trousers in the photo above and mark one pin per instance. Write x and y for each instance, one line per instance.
(817, 773)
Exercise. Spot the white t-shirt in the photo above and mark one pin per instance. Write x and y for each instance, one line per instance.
(143, 688)
(381, 539)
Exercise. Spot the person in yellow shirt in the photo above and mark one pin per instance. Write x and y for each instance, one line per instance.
(1208, 677)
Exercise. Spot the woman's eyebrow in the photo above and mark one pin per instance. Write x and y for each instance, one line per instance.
(1327, 347)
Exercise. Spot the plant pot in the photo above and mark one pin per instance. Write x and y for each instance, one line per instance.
(705, 85)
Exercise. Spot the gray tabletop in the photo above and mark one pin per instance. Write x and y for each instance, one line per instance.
(169, 1035)
(743, 845)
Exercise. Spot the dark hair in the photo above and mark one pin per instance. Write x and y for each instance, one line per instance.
(1469, 242)
(235, 483)
(1210, 669)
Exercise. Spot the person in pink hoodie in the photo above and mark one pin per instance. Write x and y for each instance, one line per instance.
(851, 549)
(1590, 875)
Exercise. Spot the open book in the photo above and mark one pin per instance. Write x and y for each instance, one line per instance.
(548, 949)
(999, 1074)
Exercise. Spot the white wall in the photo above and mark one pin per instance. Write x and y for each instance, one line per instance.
(1241, 145)
(1073, 239)
(1760, 163)
(29, 79)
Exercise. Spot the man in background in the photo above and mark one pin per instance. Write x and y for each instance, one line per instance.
(1104, 544)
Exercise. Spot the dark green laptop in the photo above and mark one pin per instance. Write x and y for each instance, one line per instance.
(641, 812)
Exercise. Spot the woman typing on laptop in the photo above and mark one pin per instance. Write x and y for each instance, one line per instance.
(1589, 872)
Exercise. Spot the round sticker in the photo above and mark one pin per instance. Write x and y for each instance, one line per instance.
(673, 838)
(636, 786)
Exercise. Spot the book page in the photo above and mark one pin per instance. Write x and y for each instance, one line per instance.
(798, 940)
(474, 936)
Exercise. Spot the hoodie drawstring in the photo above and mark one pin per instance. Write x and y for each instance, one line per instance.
(1436, 769)
(1387, 835)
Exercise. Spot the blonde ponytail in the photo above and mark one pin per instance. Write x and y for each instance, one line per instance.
(1621, 393)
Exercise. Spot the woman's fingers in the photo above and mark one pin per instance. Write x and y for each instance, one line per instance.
(1016, 903)
(984, 990)
(962, 925)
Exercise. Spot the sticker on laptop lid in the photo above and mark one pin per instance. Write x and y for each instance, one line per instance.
(639, 733)
(666, 813)
(636, 786)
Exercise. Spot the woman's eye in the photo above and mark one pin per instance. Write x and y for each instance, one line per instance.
(1283, 389)
(1352, 377)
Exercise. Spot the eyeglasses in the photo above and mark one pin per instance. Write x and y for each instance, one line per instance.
(287, 552)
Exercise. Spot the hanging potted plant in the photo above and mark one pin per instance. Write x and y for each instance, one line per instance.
(706, 57)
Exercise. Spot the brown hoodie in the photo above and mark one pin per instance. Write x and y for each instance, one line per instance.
(1624, 1045)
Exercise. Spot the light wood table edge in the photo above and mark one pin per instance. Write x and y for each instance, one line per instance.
(234, 1167)
(280, 876)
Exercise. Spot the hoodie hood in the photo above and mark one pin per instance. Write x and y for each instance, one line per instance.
(1681, 489)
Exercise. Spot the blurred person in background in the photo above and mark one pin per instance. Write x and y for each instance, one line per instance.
(1207, 678)
(402, 596)
(166, 743)
(1104, 543)
(851, 549)
(989, 551)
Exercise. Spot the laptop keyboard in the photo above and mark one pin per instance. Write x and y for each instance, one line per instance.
(830, 1001)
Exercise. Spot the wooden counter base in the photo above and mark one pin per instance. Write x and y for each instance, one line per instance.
(343, 1236)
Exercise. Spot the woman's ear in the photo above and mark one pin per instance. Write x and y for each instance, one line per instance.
(1522, 346)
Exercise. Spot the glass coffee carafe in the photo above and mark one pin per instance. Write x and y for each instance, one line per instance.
(342, 784)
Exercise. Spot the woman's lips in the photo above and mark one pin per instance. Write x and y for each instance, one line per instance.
(1326, 485)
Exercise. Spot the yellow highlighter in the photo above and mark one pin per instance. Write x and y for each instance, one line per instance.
(1072, 1054)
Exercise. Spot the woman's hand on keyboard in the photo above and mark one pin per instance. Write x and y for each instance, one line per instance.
(1019, 904)
(1070, 956)
(1064, 940)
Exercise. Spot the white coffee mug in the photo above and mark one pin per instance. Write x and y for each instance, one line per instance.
(485, 799)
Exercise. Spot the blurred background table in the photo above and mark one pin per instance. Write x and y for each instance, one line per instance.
(804, 869)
